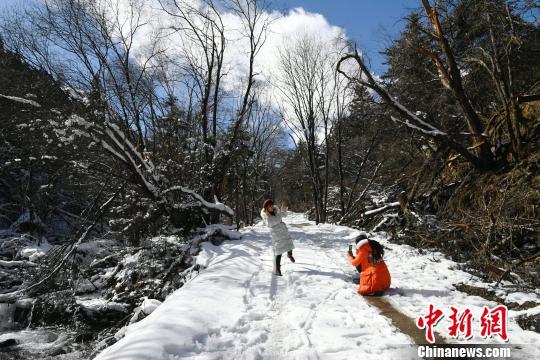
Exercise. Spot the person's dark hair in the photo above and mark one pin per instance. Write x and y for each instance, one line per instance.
(376, 247)
(268, 203)
(360, 238)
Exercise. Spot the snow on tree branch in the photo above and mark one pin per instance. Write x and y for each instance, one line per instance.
(21, 100)
(16, 263)
(115, 142)
(381, 209)
(412, 126)
(216, 205)
(365, 78)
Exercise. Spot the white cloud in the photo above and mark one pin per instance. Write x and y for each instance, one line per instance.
(283, 29)
(297, 23)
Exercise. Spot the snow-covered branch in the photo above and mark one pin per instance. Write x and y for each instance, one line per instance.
(102, 209)
(367, 79)
(15, 263)
(115, 142)
(413, 121)
(414, 127)
(216, 205)
(381, 209)
(21, 100)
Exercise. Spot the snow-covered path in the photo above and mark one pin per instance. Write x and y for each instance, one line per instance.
(236, 308)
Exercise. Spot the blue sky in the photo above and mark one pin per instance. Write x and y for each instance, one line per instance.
(369, 23)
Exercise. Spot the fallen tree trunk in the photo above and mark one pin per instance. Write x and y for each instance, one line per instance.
(15, 263)
(380, 210)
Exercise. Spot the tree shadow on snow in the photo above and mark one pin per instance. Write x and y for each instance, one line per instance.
(332, 274)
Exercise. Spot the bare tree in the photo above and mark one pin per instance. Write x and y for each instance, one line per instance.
(409, 118)
(101, 40)
(117, 81)
(265, 135)
(451, 78)
(341, 105)
(497, 58)
(307, 84)
(203, 32)
(254, 28)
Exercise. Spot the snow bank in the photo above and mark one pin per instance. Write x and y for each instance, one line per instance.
(207, 254)
(521, 298)
(149, 305)
(34, 252)
(188, 317)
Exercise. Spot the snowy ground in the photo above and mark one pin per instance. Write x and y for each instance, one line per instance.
(236, 308)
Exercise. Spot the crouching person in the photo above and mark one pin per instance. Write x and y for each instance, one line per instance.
(374, 275)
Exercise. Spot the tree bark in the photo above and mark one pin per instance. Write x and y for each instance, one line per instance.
(452, 74)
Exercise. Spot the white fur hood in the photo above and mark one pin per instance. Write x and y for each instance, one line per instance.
(362, 243)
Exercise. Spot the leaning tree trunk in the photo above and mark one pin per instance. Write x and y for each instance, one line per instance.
(451, 79)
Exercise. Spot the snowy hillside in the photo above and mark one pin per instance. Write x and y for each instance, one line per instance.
(236, 308)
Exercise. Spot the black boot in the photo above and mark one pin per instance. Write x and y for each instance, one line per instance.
(289, 255)
(278, 265)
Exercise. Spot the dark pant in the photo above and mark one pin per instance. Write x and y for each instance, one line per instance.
(278, 260)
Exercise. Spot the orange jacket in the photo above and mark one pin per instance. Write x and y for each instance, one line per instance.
(374, 277)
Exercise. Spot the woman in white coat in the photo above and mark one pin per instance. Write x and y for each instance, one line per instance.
(281, 239)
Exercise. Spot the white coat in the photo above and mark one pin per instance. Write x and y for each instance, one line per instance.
(281, 239)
